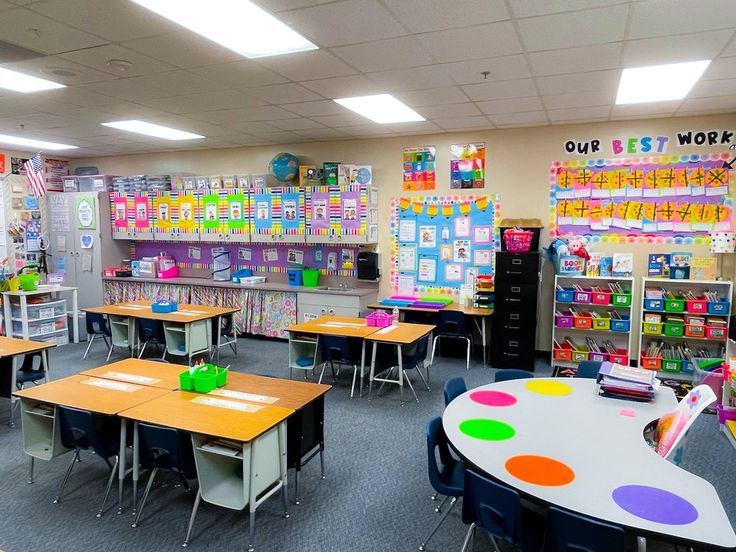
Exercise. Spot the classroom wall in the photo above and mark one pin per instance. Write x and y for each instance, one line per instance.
(518, 162)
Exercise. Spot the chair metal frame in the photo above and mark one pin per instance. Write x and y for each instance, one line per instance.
(468, 336)
(231, 339)
(91, 338)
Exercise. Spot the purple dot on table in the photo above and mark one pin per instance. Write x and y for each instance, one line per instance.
(655, 504)
(493, 398)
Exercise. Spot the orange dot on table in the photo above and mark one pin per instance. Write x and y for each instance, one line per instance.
(540, 470)
(546, 387)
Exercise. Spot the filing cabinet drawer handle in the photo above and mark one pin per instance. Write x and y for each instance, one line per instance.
(516, 261)
(514, 316)
(512, 327)
(513, 343)
(512, 354)
(515, 289)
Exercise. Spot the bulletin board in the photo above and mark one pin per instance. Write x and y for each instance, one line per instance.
(437, 242)
(661, 199)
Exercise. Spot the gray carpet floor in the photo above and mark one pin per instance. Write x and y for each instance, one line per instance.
(376, 496)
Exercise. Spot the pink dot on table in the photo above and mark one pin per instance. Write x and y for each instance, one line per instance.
(493, 398)
(654, 504)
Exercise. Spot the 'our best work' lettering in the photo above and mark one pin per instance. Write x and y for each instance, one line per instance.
(704, 138)
(588, 146)
(645, 144)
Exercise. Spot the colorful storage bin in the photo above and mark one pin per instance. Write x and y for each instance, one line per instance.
(563, 320)
(652, 328)
(564, 355)
(719, 307)
(621, 299)
(651, 363)
(601, 297)
(622, 357)
(565, 295)
(583, 322)
(694, 330)
(601, 323)
(582, 296)
(598, 357)
(622, 325)
(686, 367)
(654, 304)
(696, 305)
(580, 356)
(672, 365)
(715, 332)
(674, 329)
(674, 305)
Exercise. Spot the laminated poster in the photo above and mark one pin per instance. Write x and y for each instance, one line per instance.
(419, 168)
(295, 256)
(407, 258)
(428, 236)
(461, 251)
(195, 253)
(270, 255)
(462, 227)
(427, 272)
(289, 209)
(407, 284)
(467, 166)
(244, 254)
(407, 230)
(454, 273)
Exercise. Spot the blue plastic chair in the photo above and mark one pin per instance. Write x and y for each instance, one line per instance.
(452, 324)
(568, 531)
(164, 448)
(454, 388)
(446, 477)
(512, 374)
(340, 350)
(497, 510)
(30, 371)
(150, 331)
(588, 369)
(82, 430)
(97, 326)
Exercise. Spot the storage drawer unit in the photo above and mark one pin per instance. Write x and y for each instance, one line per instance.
(514, 324)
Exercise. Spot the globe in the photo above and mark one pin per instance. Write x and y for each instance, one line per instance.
(284, 166)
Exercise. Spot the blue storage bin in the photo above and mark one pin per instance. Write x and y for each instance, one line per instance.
(565, 295)
(719, 307)
(295, 276)
(654, 304)
(687, 367)
(242, 273)
(164, 306)
(620, 325)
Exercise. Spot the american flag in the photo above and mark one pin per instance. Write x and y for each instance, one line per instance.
(34, 174)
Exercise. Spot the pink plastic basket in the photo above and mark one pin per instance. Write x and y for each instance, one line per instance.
(518, 241)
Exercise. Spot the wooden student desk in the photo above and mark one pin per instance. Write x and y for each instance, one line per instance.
(14, 348)
(140, 372)
(188, 327)
(558, 443)
(340, 326)
(401, 335)
(473, 312)
(305, 429)
(256, 473)
(41, 435)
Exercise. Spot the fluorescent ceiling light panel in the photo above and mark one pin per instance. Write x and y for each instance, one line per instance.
(659, 83)
(20, 82)
(381, 108)
(33, 144)
(149, 129)
(238, 25)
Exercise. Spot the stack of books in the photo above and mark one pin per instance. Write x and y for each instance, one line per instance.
(625, 382)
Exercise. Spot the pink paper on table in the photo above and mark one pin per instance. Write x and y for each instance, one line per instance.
(627, 412)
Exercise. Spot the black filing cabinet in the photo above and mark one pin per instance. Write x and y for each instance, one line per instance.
(514, 326)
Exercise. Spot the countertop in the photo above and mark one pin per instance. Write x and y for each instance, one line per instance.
(267, 286)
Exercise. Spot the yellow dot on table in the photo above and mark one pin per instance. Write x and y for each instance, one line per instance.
(545, 387)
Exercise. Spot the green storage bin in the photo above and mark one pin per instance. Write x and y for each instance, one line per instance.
(621, 299)
(310, 277)
(221, 376)
(672, 365)
(674, 305)
(204, 382)
(186, 383)
(674, 330)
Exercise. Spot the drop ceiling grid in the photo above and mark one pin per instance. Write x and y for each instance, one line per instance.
(549, 63)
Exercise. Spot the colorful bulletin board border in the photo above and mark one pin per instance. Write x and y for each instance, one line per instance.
(675, 199)
(436, 239)
(419, 168)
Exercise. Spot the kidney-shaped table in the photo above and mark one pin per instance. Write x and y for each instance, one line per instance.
(557, 442)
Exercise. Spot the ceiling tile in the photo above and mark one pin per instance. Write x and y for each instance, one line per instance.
(309, 109)
(579, 113)
(45, 68)
(584, 28)
(237, 74)
(98, 58)
(178, 82)
(116, 21)
(579, 99)
(130, 110)
(527, 8)
(322, 133)
(80, 96)
(435, 15)
(362, 131)
(500, 68)
(383, 55)
(283, 93)
(579, 82)
(316, 64)
(128, 90)
(433, 96)
(460, 123)
(344, 87)
(282, 5)
(644, 110)
(723, 68)
(346, 22)
(208, 101)
(246, 114)
(499, 90)
(674, 49)
(709, 88)
(183, 49)
(718, 103)
(731, 48)
(415, 127)
(346, 118)
(416, 78)
(660, 17)
(25, 28)
(450, 110)
(512, 119)
(576, 60)
(479, 42)
(80, 131)
(512, 105)
(300, 123)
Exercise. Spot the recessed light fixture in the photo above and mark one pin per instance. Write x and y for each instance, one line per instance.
(238, 25)
(20, 82)
(150, 129)
(659, 83)
(381, 108)
(33, 144)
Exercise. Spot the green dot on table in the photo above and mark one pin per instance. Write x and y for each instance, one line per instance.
(487, 430)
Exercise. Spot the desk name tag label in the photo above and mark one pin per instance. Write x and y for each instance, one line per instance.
(133, 378)
(387, 329)
(231, 405)
(114, 385)
(243, 396)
